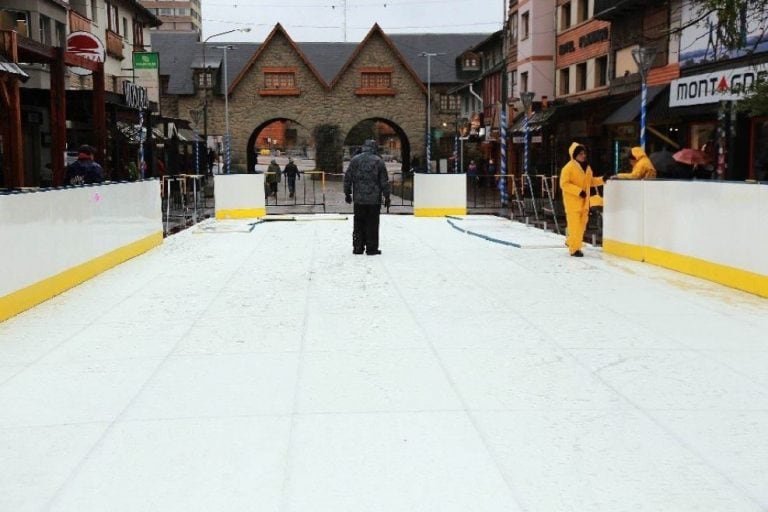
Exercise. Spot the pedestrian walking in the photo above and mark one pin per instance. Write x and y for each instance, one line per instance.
(273, 177)
(291, 175)
(84, 170)
(576, 181)
(367, 181)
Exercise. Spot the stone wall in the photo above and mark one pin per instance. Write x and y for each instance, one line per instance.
(249, 109)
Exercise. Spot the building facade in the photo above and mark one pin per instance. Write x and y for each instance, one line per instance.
(177, 16)
(382, 80)
(65, 101)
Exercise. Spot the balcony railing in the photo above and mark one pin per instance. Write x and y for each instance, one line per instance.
(78, 22)
(114, 45)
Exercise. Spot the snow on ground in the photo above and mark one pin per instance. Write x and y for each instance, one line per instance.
(270, 369)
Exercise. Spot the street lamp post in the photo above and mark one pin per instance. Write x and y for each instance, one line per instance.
(227, 142)
(208, 81)
(429, 56)
(644, 57)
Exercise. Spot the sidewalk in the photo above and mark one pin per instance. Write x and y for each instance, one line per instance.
(269, 369)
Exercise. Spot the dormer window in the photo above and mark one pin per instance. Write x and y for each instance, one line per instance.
(470, 62)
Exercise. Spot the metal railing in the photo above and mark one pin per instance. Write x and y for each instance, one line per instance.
(401, 188)
(309, 190)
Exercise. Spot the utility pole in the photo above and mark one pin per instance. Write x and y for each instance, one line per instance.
(429, 56)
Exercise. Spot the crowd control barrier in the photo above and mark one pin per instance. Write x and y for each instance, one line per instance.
(239, 196)
(709, 229)
(55, 239)
(437, 195)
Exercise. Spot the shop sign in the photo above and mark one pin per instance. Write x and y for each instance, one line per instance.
(727, 85)
(86, 45)
(146, 60)
(535, 139)
(135, 96)
(594, 37)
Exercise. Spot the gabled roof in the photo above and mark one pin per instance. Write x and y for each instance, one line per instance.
(443, 67)
(328, 57)
(181, 53)
(275, 31)
(376, 31)
(177, 52)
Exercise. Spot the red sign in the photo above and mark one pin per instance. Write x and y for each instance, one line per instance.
(85, 45)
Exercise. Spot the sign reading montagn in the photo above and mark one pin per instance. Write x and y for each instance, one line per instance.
(135, 96)
(726, 85)
(86, 45)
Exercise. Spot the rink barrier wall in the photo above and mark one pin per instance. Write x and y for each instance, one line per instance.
(711, 230)
(55, 239)
(438, 195)
(239, 196)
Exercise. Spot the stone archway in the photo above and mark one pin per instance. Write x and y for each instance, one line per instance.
(394, 138)
(301, 138)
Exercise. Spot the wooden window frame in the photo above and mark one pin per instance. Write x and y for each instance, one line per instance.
(275, 73)
(113, 18)
(385, 89)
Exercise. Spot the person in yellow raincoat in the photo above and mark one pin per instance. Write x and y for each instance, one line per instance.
(642, 167)
(576, 181)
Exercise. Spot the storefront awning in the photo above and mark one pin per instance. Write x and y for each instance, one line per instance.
(11, 68)
(630, 111)
(187, 135)
(535, 123)
(133, 133)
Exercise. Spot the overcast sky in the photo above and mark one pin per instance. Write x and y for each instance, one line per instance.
(323, 20)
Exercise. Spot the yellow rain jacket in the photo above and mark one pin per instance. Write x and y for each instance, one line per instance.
(574, 179)
(643, 168)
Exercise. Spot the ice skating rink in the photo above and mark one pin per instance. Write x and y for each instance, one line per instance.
(269, 369)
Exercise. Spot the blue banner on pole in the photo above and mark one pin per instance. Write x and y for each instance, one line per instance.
(141, 143)
(504, 194)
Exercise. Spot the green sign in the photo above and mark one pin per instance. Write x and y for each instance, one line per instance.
(146, 60)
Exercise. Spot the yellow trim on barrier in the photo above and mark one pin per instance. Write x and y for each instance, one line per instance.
(241, 213)
(32, 295)
(438, 212)
(723, 274)
(729, 276)
(623, 249)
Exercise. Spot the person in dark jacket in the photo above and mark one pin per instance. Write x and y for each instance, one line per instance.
(273, 178)
(291, 173)
(367, 179)
(84, 170)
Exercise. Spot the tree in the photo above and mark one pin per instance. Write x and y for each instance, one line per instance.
(328, 155)
(733, 18)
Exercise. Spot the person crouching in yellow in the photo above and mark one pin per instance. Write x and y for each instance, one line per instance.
(576, 180)
(642, 167)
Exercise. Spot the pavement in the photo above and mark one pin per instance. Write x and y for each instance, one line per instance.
(263, 367)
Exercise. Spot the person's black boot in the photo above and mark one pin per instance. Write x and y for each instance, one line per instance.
(373, 253)
(578, 254)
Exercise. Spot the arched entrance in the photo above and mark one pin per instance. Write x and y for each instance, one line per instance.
(279, 135)
(392, 140)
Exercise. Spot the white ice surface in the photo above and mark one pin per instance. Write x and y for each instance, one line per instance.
(272, 370)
